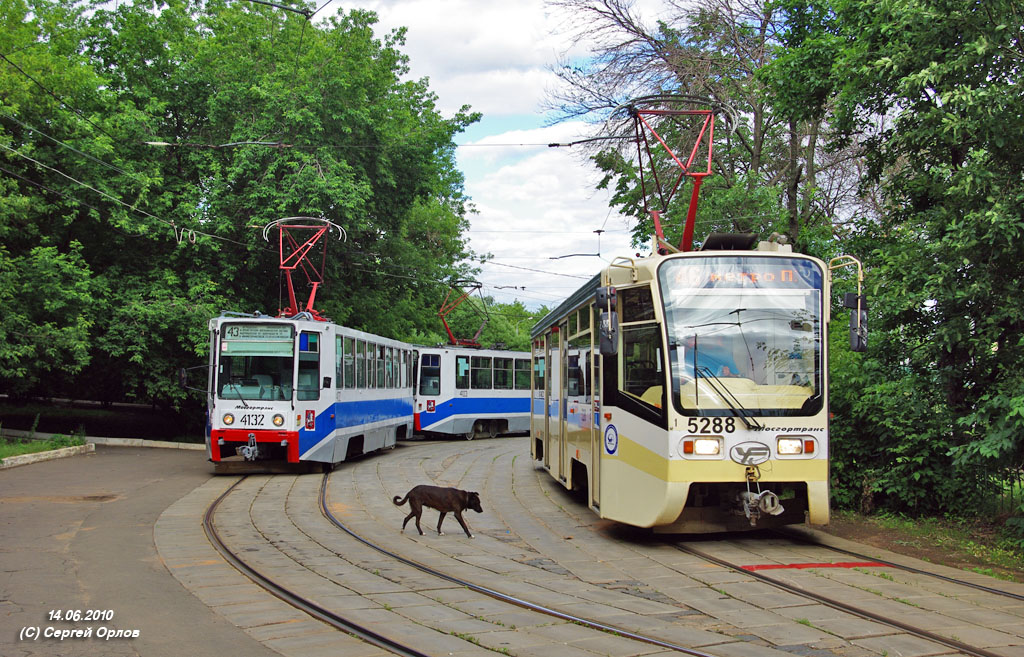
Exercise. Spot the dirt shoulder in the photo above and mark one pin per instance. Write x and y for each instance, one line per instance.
(958, 545)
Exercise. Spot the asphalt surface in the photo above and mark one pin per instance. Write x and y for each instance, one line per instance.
(76, 535)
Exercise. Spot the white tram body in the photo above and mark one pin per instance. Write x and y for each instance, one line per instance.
(297, 389)
(470, 392)
(708, 409)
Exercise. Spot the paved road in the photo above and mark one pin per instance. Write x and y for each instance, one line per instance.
(77, 534)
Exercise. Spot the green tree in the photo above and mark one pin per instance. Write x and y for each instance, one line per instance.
(930, 91)
(263, 115)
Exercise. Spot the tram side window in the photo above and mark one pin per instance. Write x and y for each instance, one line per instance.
(350, 363)
(338, 362)
(636, 304)
(360, 364)
(389, 367)
(309, 366)
(430, 374)
(503, 373)
(522, 374)
(538, 373)
(574, 376)
(381, 380)
(480, 373)
(462, 372)
(371, 365)
(641, 374)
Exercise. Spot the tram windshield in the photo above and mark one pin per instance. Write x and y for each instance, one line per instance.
(256, 362)
(744, 335)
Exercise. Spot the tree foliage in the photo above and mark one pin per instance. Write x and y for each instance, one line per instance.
(929, 90)
(887, 130)
(117, 251)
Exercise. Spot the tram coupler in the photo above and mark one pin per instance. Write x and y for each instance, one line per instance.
(754, 504)
(250, 452)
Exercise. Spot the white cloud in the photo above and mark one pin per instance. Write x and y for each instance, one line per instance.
(531, 210)
(534, 202)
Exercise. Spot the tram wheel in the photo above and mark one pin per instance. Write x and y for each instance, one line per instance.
(492, 430)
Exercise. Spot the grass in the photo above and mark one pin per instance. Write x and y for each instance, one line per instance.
(981, 547)
(18, 446)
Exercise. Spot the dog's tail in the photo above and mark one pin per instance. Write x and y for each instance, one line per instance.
(399, 501)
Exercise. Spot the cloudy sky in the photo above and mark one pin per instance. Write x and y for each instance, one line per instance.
(534, 202)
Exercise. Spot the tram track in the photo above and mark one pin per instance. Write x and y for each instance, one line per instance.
(497, 595)
(366, 633)
(293, 598)
(260, 546)
(845, 606)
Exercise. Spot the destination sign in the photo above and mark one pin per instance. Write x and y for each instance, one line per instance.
(257, 332)
(741, 273)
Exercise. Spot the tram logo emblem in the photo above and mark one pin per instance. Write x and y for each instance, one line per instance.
(430, 406)
(310, 420)
(611, 440)
(750, 453)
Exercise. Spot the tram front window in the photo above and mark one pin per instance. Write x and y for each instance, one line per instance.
(744, 332)
(256, 362)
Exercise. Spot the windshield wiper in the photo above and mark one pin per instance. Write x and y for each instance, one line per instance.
(239, 392)
(730, 399)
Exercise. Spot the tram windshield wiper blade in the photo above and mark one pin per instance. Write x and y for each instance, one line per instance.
(238, 391)
(730, 400)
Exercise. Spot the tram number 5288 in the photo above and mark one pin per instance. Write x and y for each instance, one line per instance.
(705, 425)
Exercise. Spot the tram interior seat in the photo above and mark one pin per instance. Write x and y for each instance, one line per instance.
(653, 396)
(430, 386)
(640, 379)
(266, 384)
(307, 387)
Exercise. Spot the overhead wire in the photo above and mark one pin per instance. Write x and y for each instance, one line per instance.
(57, 98)
(180, 232)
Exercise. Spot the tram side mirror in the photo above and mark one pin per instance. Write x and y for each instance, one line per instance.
(606, 302)
(327, 382)
(858, 305)
(609, 333)
(183, 377)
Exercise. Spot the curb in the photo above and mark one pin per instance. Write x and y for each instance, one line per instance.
(88, 448)
(26, 459)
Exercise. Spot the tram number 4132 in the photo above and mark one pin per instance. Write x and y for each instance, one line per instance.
(711, 424)
(252, 419)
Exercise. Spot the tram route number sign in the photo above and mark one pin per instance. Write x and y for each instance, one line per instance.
(257, 332)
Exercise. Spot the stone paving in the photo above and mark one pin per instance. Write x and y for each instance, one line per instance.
(536, 542)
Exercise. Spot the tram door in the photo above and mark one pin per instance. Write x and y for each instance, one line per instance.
(307, 383)
(563, 401)
(550, 397)
(596, 439)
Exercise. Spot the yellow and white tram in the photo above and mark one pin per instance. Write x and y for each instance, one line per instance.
(689, 392)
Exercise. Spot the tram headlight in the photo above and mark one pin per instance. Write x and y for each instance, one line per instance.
(278, 420)
(701, 446)
(706, 446)
(794, 445)
(229, 419)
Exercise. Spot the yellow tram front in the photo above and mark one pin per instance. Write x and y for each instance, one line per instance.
(705, 408)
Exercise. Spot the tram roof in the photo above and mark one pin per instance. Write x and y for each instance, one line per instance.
(578, 297)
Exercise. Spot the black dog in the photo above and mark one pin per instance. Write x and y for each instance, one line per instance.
(445, 500)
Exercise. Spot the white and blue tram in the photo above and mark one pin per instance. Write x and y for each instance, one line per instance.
(303, 390)
(688, 392)
(472, 392)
